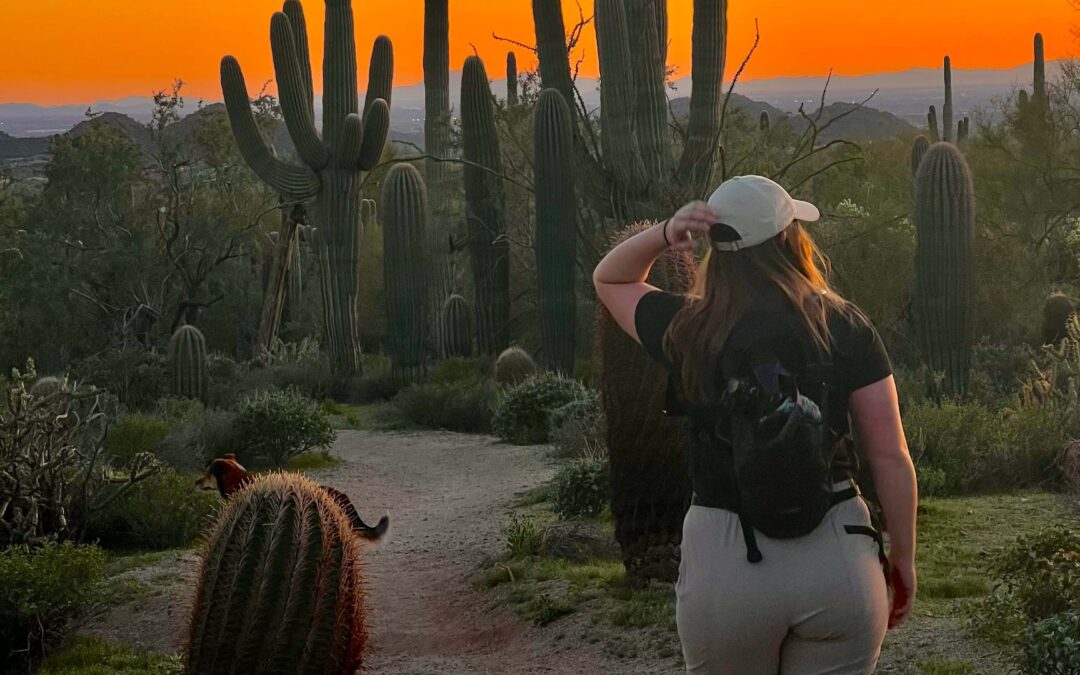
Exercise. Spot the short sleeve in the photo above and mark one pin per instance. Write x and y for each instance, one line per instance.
(653, 316)
(865, 360)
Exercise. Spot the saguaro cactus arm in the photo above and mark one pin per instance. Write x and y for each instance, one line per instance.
(380, 74)
(703, 130)
(620, 146)
(295, 12)
(294, 182)
(376, 131)
(293, 94)
(947, 110)
(340, 97)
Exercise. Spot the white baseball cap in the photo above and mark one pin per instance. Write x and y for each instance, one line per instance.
(757, 209)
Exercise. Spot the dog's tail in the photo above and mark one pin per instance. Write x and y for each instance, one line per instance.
(372, 534)
(377, 533)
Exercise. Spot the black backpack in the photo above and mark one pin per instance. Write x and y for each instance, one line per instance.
(780, 443)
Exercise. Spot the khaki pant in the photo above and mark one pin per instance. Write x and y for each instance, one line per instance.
(815, 605)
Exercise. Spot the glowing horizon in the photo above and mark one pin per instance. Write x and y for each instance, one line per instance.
(109, 51)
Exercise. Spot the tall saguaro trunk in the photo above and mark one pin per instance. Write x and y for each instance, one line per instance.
(947, 109)
(943, 295)
(440, 177)
(332, 164)
(703, 131)
(485, 207)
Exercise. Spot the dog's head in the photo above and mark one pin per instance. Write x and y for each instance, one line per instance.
(226, 475)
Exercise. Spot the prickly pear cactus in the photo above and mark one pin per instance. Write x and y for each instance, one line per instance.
(650, 485)
(943, 295)
(456, 328)
(408, 271)
(556, 231)
(187, 363)
(281, 588)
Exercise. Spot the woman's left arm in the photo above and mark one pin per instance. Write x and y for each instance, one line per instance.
(620, 277)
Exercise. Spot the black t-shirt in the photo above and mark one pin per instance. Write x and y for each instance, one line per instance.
(857, 358)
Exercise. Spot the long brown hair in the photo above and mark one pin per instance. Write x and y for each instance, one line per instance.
(788, 269)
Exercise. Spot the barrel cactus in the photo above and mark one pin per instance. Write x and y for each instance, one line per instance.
(943, 295)
(331, 164)
(456, 328)
(485, 208)
(408, 271)
(514, 366)
(281, 588)
(556, 231)
(650, 488)
(187, 363)
(511, 79)
(1057, 310)
(932, 125)
(918, 151)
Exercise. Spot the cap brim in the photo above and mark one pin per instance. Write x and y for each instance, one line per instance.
(806, 212)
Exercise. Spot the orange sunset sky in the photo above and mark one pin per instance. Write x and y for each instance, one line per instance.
(80, 51)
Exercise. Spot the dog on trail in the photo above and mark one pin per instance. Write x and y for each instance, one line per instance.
(226, 475)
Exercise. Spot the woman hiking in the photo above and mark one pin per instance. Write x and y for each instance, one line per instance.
(782, 563)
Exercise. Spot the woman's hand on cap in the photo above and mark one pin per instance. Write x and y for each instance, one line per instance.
(694, 217)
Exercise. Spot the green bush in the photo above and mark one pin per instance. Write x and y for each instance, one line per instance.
(525, 537)
(135, 433)
(226, 380)
(162, 512)
(1052, 646)
(279, 424)
(964, 447)
(138, 378)
(456, 406)
(580, 489)
(1038, 577)
(195, 440)
(577, 429)
(457, 369)
(371, 387)
(522, 412)
(94, 656)
(41, 590)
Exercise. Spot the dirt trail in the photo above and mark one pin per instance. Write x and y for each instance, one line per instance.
(449, 497)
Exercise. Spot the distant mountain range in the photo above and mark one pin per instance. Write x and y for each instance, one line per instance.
(900, 104)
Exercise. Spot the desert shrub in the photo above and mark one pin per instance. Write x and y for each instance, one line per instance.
(456, 406)
(56, 469)
(138, 378)
(226, 380)
(1052, 646)
(135, 433)
(94, 656)
(41, 589)
(580, 489)
(997, 371)
(521, 412)
(963, 447)
(459, 369)
(1037, 577)
(278, 424)
(525, 537)
(162, 512)
(578, 428)
(196, 439)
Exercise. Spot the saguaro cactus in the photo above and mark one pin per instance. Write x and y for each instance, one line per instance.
(440, 175)
(932, 125)
(947, 108)
(407, 271)
(332, 164)
(650, 487)
(918, 152)
(485, 208)
(1039, 95)
(632, 49)
(187, 363)
(764, 122)
(511, 79)
(556, 231)
(1057, 310)
(281, 588)
(943, 295)
(456, 328)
